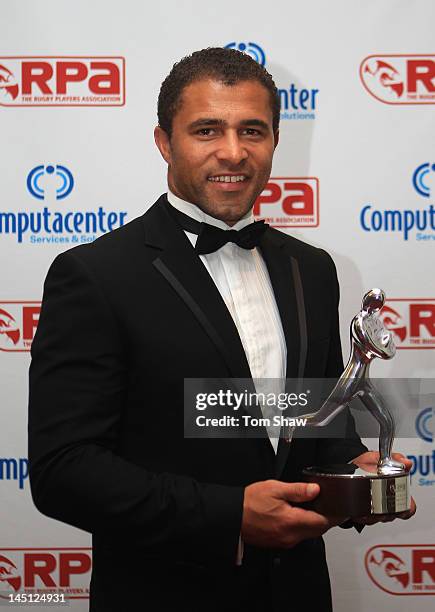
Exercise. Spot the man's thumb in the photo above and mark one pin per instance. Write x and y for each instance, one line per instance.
(300, 491)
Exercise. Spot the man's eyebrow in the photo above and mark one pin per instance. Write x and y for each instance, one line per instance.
(255, 122)
(204, 122)
(207, 122)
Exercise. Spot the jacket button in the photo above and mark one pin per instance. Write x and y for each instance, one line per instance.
(276, 562)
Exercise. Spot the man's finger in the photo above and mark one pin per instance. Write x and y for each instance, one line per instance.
(308, 519)
(368, 457)
(400, 457)
(372, 519)
(299, 491)
(408, 513)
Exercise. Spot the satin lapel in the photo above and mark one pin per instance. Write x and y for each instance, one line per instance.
(286, 281)
(177, 261)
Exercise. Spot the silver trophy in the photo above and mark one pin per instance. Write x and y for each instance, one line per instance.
(349, 490)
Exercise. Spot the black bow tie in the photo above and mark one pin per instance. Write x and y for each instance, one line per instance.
(212, 238)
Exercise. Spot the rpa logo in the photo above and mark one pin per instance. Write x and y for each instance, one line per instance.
(62, 81)
(412, 322)
(39, 172)
(402, 569)
(45, 570)
(289, 202)
(8, 85)
(251, 48)
(400, 79)
(18, 323)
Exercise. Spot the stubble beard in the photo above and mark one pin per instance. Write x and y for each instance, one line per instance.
(227, 211)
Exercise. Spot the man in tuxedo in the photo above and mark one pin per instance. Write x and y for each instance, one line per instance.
(192, 289)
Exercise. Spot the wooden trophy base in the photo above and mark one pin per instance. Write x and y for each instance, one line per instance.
(349, 491)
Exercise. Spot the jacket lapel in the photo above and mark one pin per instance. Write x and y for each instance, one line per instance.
(177, 261)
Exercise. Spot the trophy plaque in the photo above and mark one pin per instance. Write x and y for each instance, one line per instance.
(348, 490)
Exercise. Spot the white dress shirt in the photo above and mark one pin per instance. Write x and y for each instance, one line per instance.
(243, 281)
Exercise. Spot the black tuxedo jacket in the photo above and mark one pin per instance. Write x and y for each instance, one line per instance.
(124, 320)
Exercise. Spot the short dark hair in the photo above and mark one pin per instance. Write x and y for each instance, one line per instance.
(226, 65)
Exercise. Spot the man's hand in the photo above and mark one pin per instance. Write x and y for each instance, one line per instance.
(370, 460)
(270, 521)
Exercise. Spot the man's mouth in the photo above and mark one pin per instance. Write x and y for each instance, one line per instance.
(228, 178)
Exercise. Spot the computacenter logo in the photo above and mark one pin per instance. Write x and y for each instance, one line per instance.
(423, 464)
(250, 48)
(62, 81)
(62, 172)
(296, 103)
(52, 183)
(14, 468)
(417, 222)
(424, 424)
(420, 177)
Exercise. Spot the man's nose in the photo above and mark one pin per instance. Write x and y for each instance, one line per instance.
(231, 149)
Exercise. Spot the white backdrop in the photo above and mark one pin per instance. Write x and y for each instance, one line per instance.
(369, 131)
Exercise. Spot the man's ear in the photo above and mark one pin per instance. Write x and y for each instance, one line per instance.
(276, 139)
(161, 139)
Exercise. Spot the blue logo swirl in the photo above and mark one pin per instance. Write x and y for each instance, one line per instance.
(34, 176)
(251, 48)
(422, 424)
(418, 179)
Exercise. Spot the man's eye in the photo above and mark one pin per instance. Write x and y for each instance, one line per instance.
(205, 131)
(251, 132)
